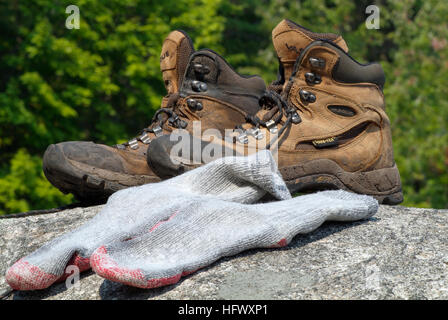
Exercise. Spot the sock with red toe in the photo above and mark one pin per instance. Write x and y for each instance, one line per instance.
(203, 231)
(132, 212)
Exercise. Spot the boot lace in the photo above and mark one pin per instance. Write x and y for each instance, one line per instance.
(272, 101)
(277, 107)
(157, 123)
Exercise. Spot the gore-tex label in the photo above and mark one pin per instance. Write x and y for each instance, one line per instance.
(322, 143)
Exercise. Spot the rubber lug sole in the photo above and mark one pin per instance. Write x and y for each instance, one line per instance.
(323, 174)
(382, 184)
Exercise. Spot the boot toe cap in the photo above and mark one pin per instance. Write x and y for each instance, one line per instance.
(88, 153)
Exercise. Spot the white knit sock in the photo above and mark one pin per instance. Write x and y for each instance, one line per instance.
(133, 212)
(203, 230)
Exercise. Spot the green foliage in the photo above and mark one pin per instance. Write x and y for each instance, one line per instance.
(416, 93)
(102, 82)
(24, 186)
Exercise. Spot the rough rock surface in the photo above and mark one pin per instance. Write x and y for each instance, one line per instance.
(401, 253)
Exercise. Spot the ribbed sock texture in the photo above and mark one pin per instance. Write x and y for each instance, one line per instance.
(132, 212)
(202, 232)
(152, 235)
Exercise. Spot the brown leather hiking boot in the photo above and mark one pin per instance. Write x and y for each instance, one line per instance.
(201, 87)
(326, 123)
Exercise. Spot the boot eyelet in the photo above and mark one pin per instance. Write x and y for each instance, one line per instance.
(242, 138)
(120, 146)
(191, 103)
(256, 133)
(272, 127)
(296, 118)
(317, 62)
(198, 86)
(133, 144)
(194, 105)
(312, 78)
(172, 120)
(145, 138)
(157, 131)
(307, 96)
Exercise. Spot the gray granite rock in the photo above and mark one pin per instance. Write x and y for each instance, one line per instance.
(401, 253)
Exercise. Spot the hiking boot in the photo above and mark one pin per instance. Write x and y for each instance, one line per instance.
(200, 87)
(94, 171)
(324, 118)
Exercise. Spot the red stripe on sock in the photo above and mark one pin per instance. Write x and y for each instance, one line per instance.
(107, 268)
(160, 222)
(281, 243)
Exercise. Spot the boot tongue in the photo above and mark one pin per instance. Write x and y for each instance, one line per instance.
(176, 51)
(290, 38)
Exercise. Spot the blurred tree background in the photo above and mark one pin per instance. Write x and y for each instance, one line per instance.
(102, 82)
